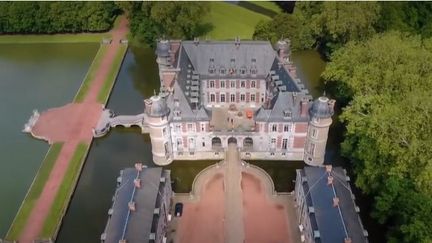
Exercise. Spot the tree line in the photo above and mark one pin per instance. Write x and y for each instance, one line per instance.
(380, 65)
(56, 17)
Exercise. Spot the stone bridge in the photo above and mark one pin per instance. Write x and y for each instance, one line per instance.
(109, 120)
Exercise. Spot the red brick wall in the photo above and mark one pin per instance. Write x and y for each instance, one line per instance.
(185, 142)
(217, 84)
(257, 125)
(184, 127)
(299, 142)
(257, 98)
(247, 97)
(266, 127)
(247, 84)
(217, 97)
(280, 127)
(237, 84)
(301, 127)
(237, 96)
(279, 142)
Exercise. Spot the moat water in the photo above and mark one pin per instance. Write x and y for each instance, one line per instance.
(32, 76)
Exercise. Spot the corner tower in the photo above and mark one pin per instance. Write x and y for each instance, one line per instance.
(320, 120)
(156, 117)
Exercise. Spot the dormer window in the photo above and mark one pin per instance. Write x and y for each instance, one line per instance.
(253, 70)
(211, 59)
(253, 60)
(232, 60)
(287, 114)
(222, 71)
(243, 70)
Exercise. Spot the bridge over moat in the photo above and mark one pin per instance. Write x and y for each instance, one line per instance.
(109, 120)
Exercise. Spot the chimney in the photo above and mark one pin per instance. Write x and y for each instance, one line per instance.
(138, 166)
(347, 240)
(329, 180)
(328, 168)
(131, 206)
(335, 201)
(304, 105)
(331, 105)
(137, 183)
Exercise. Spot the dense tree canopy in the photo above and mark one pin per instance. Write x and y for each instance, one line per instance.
(152, 20)
(389, 81)
(327, 24)
(56, 17)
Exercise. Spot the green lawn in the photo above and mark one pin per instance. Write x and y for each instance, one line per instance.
(79, 97)
(34, 192)
(112, 75)
(268, 5)
(57, 38)
(229, 21)
(61, 201)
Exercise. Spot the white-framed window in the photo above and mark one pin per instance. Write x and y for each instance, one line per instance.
(274, 128)
(284, 143)
(179, 142)
(233, 98)
(253, 84)
(222, 98)
(242, 97)
(222, 84)
(202, 127)
(252, 97)
(242, 84)
(314, 133)
(164, 131)
(287, 128)
(311, 148)
(233, 84)
(177, 128)
(189, 127)
(212, 83)
(212, 97)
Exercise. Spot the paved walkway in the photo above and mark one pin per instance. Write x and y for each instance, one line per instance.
(234, 202)
(70, 124)
(234, 229)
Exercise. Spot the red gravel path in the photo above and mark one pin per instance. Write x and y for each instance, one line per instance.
(264, 221)
(70, 124)
(203, 221)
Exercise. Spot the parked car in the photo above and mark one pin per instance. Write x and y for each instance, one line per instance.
(178, 209)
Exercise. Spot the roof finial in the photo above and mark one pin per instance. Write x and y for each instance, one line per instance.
(324, 93)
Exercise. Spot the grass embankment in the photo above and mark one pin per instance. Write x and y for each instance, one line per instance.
(82, 92)
(230, 20)
(34, 192)
(56, 38)
(64, 193)
(267, 5)
(112, 75)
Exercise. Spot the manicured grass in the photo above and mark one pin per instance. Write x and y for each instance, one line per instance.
(112, 75)
(34, 192)
(230, 20)
(61, 201)
(82, 92)
(56, 38)
(268, 5)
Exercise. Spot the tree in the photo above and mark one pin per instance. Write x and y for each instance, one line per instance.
(388, 81)
(178, 20)
(292, 26)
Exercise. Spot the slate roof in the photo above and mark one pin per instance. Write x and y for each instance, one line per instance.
(223, 51)
(328, 220)
(284, 102)
(134, 226)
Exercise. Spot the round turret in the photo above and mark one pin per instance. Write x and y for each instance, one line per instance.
(163, 48)
(156, 106)
(320, 108)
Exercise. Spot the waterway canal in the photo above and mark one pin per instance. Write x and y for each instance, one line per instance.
(138, 78)
(32, 76)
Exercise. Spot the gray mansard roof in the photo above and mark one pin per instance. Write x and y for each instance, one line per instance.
(223, 51)
(134, 226)
(284, 109)
(327, 219)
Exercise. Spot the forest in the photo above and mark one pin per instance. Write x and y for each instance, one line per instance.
(56, 17)
(380, 71)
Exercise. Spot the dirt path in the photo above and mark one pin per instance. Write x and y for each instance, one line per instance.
(70, 124)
